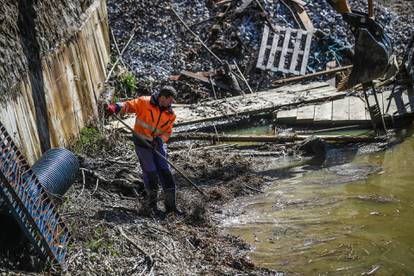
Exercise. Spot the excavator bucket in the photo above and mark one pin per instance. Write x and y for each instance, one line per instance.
(372, 52)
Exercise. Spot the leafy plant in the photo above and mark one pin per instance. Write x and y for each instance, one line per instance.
(101, 242)
(129, 81)
(88, 140)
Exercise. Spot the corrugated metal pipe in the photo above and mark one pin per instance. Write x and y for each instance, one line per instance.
(56, 171)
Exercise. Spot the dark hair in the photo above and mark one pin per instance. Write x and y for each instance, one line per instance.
(168, 91)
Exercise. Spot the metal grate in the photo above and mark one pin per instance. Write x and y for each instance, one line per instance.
(30, 203)
(286, 50)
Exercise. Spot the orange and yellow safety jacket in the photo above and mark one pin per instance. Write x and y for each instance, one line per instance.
(151, 120)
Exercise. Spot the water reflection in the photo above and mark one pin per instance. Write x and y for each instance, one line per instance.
(335, 217)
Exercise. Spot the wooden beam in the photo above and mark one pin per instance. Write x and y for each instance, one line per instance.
(271, 139)
(259, 110)
(313, 75)
(302, 14)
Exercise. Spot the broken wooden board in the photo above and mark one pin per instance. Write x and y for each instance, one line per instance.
(340, 110)
(288, 51)
(204, 77)
(287, 116)
(312, 75)
(285, 101)
(323, 112)
(261, 102)
(306, 113)
(301, 13)
(250, 104)
(348, 111)
(357, 110)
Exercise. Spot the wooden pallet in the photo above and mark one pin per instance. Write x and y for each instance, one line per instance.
(286, 50)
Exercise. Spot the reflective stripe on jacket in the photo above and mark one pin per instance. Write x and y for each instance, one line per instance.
(150, 120)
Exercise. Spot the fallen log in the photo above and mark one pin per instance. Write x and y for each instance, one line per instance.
(272, 139)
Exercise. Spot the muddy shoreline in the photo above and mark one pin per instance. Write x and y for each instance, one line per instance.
(112, 234)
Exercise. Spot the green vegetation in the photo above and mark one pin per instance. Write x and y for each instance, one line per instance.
(129, 82)
(101, 242)
(88, 140)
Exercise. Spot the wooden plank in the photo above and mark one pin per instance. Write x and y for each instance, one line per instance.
(261, 102)
(357, 109)
(306, 53)
(294, 62)
(323, 112)
(301, 87)
(272, 55)
(306, 113)
(196, 76)
(268, 138)
(286, 40)
(313, 75)
(263, 48)
(302, 14)
(322, 91)
(287, 116)
(304, 17)
(340, 110)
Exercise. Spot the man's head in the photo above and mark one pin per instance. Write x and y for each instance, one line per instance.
(167, 96)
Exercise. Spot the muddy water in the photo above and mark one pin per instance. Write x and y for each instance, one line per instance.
(345, 219)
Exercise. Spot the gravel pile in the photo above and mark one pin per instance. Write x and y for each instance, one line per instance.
(162, 47)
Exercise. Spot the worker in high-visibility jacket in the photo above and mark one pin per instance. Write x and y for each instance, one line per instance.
(153, 123)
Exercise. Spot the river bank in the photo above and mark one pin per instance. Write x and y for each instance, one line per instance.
(112, 234)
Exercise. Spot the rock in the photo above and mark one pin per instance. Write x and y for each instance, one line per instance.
(314, 146)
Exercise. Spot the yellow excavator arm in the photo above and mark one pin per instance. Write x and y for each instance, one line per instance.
(341, 6)
(373, 48)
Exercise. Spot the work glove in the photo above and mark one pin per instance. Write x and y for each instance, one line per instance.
(112, 108)
(157, 142)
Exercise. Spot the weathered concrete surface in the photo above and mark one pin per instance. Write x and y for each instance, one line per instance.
(54, 104)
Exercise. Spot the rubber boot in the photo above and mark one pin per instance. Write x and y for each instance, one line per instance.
(151, 204)
(170, 205)
(152, 196)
